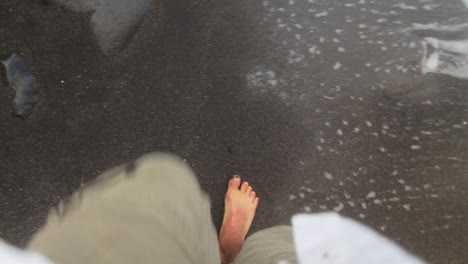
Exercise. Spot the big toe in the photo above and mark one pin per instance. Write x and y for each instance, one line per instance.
(234, 182)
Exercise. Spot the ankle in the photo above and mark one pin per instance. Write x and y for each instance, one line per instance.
(228, 255)
(229, 248)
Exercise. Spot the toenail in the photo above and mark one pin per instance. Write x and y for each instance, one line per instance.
(236, 177)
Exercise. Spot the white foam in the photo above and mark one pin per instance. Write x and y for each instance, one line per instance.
(328, 176)
(313, 49)
(295, 57)
(405, 6)
(465, 2)
(322, 14)
(337, 66)
(415, 147)
(371, 195)
(273, 82)
(426, 133)
(444, 56)
(339, 207)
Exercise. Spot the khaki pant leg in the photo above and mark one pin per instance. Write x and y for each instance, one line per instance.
(274, 245)
(152, 211)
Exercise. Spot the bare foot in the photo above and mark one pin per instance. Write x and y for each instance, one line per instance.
(240, 204)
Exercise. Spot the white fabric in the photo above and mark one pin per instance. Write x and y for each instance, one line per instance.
(333, 239)
(12, 255)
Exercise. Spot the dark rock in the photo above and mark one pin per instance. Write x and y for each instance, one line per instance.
(21, 80)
